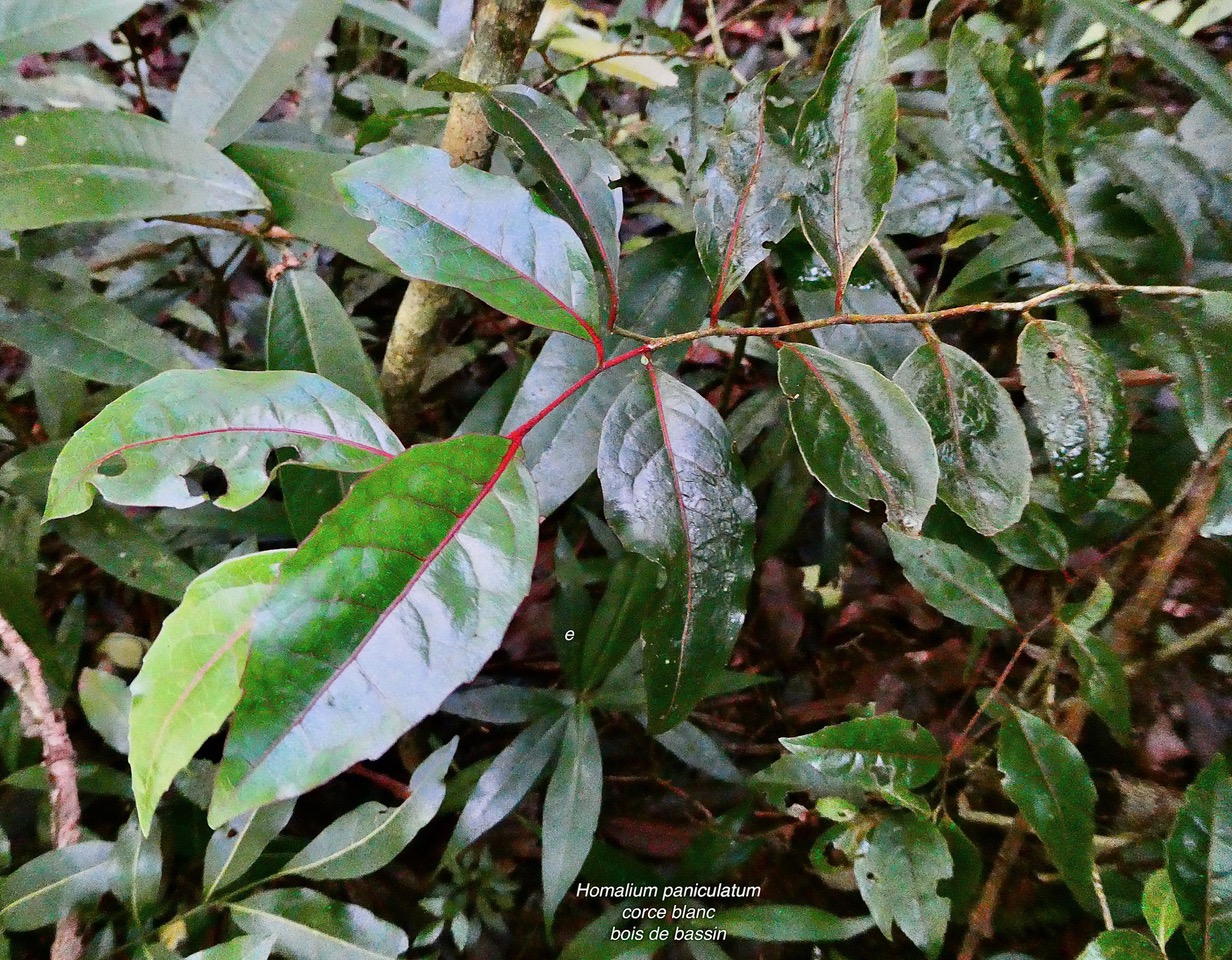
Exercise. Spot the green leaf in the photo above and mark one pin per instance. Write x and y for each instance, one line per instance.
(299, 184)
(997, 110)
(1159, 907)
(691, 113)
(576, 167)
(241, 948)
(674, 493)
(1120, 945)
(50, 26)
(53, 885)
(953, 581)
(845, 140)
(1100, 670)
(309, 330)
(1035, 541)
(389, 16)
(139, 868)
(886, 754)
(397, 598)
(981, 443)
(68, 326)
(1183, 58)
(1188, 339)
(744, 197)
(307, 925)
(860, 434)
(133, 167)
(484, 234)
(1077, 399)
(963, 888)
(1200, 862)
(190, 678)
(785, 923)
(1047, 779)
(507, 780)
(370, 836)
(238, 844)
(105, 700)
(139, 449)
(571, 808)
(244, 61)
(898, 867)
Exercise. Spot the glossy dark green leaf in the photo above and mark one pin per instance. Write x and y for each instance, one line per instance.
(1078, 402)
(306, 925)
(139, 868)
(50, 26)
(981, 442)
(65, 324)
(898, 867)
(52, 885)
(1200, 862)
(744, 196)
(139, 449)
(1188, 339)
(397, 598)
(845, 140)
(508, 779)
(370, 836)
(785, 923)
(485, 234)
(860, 434)
(190, 678)
(998, 112)
(690, 114)
(674, 492)
(571, 808)
(1099, 668)
(244, 61)
(1120, 945)
(1046, 777)
(127, 550)
(238, 844)
(1181, 57)
(953, 581)
(20, 534)
(576, 167)
(299, 184)
(1035, 541)
(886, 754)
(106, 701)
(1159, 907)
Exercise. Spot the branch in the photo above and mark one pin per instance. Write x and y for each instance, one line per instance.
(20, 669)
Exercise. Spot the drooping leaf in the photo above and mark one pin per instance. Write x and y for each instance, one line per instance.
(139, 868)
(1159, 907)
(845, 140)
(249, 54)
(54, 25)
(52, 885)
(898, 867)
(105, 700)
(65, 324)
(744, 195)
(299, 184)
(860, 434)
(674, 493)
(190, 678)
(1120, 945)
(981, 443)
(785, 923)
(1200, 862)
(1046, 777)
(576, 167)
(508, 779)
(370, 836)
(485, 234)
(998, 112)
(1077, 399)
(571, 808)
(306, 925)
(397, 598)
(953, 581)
(1099, 668)
(1187, 338)
(236, 845)
(1183, 58)
(64, 166)
(139, 449)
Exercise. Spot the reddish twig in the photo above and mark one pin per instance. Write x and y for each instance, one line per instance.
(385, 782)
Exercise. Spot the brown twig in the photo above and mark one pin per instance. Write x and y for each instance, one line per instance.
(20, 669)
(979, 927)
(1129, 379)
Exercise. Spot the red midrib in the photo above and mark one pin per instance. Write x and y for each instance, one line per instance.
(735, 233)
